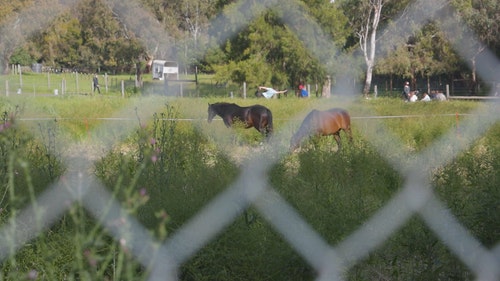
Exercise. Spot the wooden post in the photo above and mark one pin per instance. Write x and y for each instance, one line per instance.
(106, 81)
(7, 87)
(123, 89)
(20, 77)
(244, 90)
(77, 86)
(447, 91)
(375, 91)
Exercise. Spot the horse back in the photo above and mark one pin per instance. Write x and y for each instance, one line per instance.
(341, 117)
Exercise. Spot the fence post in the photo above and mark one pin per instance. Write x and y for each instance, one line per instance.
(20, 77)
(375, 91)
(106, 81)
(77, 86)
(7, 88)
(447, 91)
(123, 89)
(244, 90)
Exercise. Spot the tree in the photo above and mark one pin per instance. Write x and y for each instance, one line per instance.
(60, 41)
(286, 39)
(367, 39)
(365, 18)
(483, 18)
(19, 22)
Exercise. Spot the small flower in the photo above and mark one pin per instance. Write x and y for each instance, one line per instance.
(143, 192)
(154, 158)
(33, 274)
(152, 141)
(91, 260)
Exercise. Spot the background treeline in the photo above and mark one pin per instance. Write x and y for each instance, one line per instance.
(114, 37)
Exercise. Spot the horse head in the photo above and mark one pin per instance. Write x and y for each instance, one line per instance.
(211, 112)
(306, 129)
(295, 141)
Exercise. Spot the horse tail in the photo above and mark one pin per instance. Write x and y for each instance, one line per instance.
(270, 127)
(346, 124)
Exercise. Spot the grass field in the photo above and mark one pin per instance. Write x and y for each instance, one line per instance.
(165, 182)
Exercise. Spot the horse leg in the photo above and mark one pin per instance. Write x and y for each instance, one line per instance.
(264, 126)
(337, 139)
(228, 121)
(348, 131)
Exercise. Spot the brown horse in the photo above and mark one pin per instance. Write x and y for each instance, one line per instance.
(257, 116)
(323, 123)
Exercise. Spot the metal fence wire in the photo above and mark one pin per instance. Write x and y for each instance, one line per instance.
(252, 188)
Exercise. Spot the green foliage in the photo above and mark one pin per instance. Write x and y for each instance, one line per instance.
(22, 57)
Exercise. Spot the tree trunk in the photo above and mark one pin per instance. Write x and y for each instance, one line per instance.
(138, 78)
(428, 84)
(370, 34)
(368, 80)
(473, 75)
(327, 87)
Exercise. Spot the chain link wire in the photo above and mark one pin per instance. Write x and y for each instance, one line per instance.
(252, 188)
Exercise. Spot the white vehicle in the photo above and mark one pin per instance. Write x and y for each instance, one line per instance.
(165, 69)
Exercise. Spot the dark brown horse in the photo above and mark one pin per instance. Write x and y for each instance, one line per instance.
(323, 123)
(257, 116)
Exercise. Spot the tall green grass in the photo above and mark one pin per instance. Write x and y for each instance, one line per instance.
(166, 171)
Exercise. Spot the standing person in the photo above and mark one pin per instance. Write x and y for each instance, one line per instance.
(270, 92)
(95, 82)
(406, 91)
(303, 91)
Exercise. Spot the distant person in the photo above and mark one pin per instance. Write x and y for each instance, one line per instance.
(270, 92)
(440, 97)
(413, 96)
(303, 92)
(406, 91)
(95, 82)
(425, 97)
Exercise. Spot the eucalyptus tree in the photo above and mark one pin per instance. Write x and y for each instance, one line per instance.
(483, 19)
(366, 17)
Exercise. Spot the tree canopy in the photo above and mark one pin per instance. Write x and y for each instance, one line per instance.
(277, 43)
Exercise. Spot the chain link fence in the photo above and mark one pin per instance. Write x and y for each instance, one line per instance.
(252, 188)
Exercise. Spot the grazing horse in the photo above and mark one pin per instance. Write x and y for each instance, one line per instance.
(323, 123)
(257, 116)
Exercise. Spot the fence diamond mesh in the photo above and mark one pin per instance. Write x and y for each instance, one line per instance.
(253, 188)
